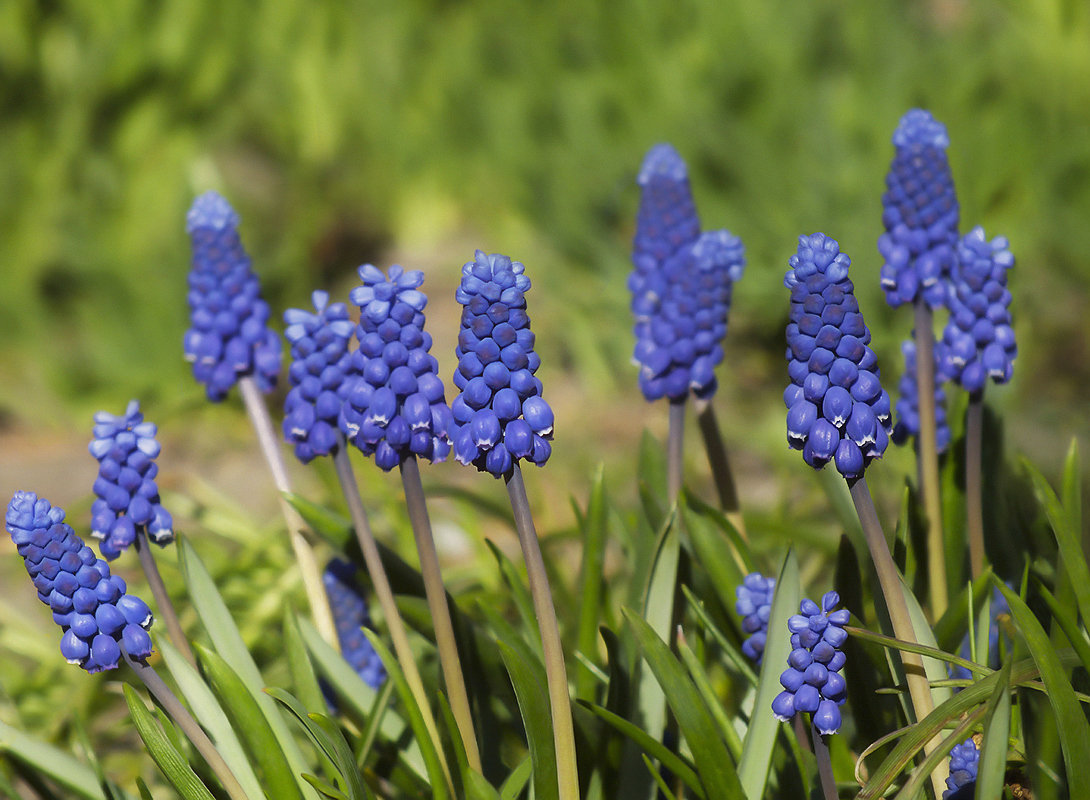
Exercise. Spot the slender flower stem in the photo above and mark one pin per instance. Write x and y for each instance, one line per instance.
(974, 487)
(440, 611)
(304, 553)
(162, 599)
(675, 448)
(567, 773)
(929, 457)
(189, 726)
(394, 624)
(824, 765)
(720, 465)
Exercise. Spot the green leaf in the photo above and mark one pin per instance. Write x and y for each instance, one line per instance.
(660, 782)
(714, 704)
(717, 556)
(1066, 620)
(478, 788)
(932, 667)
(168, 759)
(658, 611)
(914, 786)
(997, 727)
(651, 475)
(920, 649)
(303, 678)
(520, 595)
(735, 656)
(594, 535)
(60, 767)
(531, 690)
(514, 783)
(328, 524)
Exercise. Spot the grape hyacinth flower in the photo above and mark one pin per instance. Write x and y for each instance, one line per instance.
(812, 682)
(318, 374)
(228, 337)
(837, 408)
(754, 606)
(346, 599)
(964, 762)
(920, 213)
(127, 496)
(500, 414)
(99, 618)
(907, 408)
(978, 339)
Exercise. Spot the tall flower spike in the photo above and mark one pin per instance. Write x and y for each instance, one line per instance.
(837, 408)
(812, 682)
(500, 413)
(754, 606)
(228, 335)
(350, 613)
(907, 408)
(98, 617)
(127, 496)
(964, 762)
(321, 365)
(978, 339)
(395, 404)
(920, 213)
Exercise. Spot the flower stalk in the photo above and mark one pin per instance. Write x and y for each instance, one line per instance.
(162, 599)
(719, 462)
(974, 438)
(927, 443)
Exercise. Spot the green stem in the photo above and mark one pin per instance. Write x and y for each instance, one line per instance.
(974, 488)
(394, 624)
(929, 458)
(162, 599)
(177, 712)
(258, 412)
(720, 465)
(675, 447)
(567, 773)
(440, 610)
(824, 765)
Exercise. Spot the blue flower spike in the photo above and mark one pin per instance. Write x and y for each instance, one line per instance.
(754, 605)
(351, 616)
(837, 409)
(907, 409)
(812, 682)
(499, 414)
(964, 763)
(395, 405)
(127, 495)
(978, 342)
(228, 336)
(321, 366)
(919, 212)
(100, 620)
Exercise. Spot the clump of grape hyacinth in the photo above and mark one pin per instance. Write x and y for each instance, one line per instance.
(350, 615)
(837, 408)
(228, 336)
(964, 762)
(500, 413)
(395, 404)
(978, 342)
(99, 618)
(812, 682)
(907, 408)
(754, 606)
(127, 495)
(318, 374)
(919, 212)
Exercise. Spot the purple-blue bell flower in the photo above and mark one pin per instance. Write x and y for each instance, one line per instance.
(812, 682)
(754, 606)
(395, 404)
(499, 415)
(99, 619)
(321, 366)
(127, 495)
(978, 341)
(908, 405)
(920, 213)
(837, 409)
(351, 616)
(228, 336)
(964, 763)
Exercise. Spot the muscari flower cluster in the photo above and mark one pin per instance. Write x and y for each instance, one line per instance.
(127, 496)
(681, 284)
(229, 337)
(754, 605)
(350, 616)
(99, 618)
(978, 341)
(837, 408)
(318, 374)
(812, 682)
(919, 212)
(395, 406)
(907, 408)
(964, 762)
(500, 414)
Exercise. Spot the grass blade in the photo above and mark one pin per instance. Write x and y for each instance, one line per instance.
(594, 530)
(60, 767)
(997, 727)
(167, 758)
(528, 678)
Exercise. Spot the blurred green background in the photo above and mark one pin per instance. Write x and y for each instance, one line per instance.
(414, 132)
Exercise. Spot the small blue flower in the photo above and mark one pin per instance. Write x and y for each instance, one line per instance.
(228, 336)
(500, 414)
(920, 213)
(964, 762)
(754, 606)
(350, 616)
(836, 406)
(978, 342)
(907, 408)
(98, 617)
(127, 496)
(812, 682)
